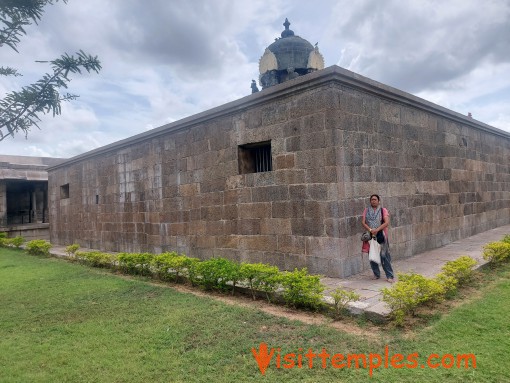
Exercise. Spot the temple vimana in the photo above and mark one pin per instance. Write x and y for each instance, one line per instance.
(282, 176)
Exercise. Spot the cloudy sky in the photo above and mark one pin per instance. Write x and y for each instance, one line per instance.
(164, 60)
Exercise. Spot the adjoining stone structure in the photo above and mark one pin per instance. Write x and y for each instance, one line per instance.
(282, 176)
(24, 195)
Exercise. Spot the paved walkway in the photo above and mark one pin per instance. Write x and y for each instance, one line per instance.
(427, 264)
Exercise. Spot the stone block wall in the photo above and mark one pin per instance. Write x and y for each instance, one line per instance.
(3, 204)
(332, 143)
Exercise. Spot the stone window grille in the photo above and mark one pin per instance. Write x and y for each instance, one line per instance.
(255, 158)
(64, 191)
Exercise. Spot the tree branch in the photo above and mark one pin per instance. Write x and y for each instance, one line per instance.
(19, 110)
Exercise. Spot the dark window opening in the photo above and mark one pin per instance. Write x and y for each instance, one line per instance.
(64, 191)
(97, 199)
(255, 158)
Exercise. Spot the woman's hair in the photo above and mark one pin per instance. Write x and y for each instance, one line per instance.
(376, 196)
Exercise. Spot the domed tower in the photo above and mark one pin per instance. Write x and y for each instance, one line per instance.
(288, 57)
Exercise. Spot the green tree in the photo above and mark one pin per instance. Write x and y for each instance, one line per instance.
(20, 110)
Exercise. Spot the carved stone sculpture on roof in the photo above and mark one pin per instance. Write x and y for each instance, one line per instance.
(288, 57)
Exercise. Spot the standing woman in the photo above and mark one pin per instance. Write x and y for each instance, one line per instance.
(376, 219)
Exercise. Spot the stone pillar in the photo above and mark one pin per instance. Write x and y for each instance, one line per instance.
(3, 204)
(33, 211)
(45, 204)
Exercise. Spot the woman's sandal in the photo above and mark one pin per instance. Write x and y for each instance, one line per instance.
(391, 280)
(373, 277)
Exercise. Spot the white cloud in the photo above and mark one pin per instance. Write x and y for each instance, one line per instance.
(164, 61)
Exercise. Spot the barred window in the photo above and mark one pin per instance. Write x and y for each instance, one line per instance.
(255, 158)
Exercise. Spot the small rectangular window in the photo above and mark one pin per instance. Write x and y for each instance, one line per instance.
(64, 191)
(255, 158)
(97, 199)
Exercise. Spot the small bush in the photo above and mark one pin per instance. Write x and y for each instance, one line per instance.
(38, 247)
(506, 239)
(409, 292)
(163, 263)
(260, 277)
(72, 249)
(402, 299)
(17, 241)
(497, 252)
(3, 238)
(231, 273)
(96, 258)
(448, 282)
(427, 289)
(171, 265)
(135, 263)
(191, 270)
(11, 242)
(461, 269)
(302, 289)
(342, 298)
(215, 273)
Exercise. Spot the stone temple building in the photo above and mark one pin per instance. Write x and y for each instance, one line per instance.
(282, 176)
(24, 195)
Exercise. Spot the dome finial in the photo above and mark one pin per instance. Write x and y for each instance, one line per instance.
(287, 32)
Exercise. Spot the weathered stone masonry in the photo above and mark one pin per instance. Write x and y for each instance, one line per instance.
(336, 137)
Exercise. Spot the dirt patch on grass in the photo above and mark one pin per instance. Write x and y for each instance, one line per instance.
(351, 325)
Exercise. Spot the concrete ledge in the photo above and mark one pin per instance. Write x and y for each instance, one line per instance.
(28, 231)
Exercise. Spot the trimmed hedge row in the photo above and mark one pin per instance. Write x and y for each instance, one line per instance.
(297, 288)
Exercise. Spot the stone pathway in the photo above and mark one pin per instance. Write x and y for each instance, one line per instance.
(427, 264)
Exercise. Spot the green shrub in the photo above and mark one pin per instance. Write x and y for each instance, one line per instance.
(96, 258)
(427, 289)
(17, 241)
(402, 299)
(506, 239)
(231, 272)
(301, 289)
(497, 252)
(191, 270)
(38, 247)
(170, 265)
(260, 277)
(162, 263)
(3, 236)
(409, 292)
(11, 242)
(448, 282)
(342, 298)
(72, 249)
(135, 263)
(461, 269)
(215, 273)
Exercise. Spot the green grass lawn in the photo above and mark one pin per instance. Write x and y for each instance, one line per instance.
(63, 322)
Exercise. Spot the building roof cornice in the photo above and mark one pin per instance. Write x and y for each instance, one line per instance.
(333, 75)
